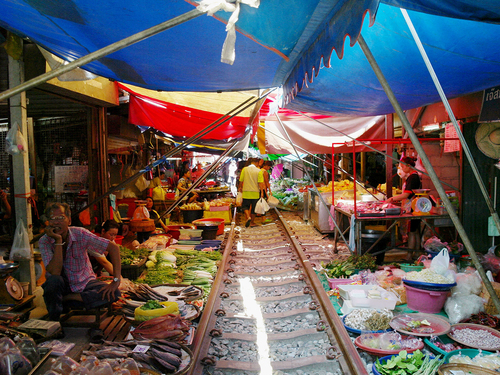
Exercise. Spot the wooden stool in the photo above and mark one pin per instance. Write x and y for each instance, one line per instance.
(77, 309)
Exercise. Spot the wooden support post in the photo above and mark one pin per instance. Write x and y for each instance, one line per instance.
(20, 168)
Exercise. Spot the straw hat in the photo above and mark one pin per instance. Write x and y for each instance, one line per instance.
(488, 139)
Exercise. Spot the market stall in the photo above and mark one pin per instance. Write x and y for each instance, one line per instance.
(429, 317)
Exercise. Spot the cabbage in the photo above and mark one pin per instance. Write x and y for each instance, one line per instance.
(165, 265)
(166, 256)
(152, 256)
(150, 264)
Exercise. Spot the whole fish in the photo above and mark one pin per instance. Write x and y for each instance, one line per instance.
(167, 348)
(164, 356)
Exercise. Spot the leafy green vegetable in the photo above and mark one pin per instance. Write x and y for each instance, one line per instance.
(336, 269)
(152, 305)
(130, 256)
(413, 364)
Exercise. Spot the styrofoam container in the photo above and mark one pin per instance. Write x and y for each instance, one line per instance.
(334, 283)
(425, 301)
(344, 289)
(388, 299)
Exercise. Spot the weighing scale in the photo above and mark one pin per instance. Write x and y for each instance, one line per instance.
(11, 291)
(421, 203)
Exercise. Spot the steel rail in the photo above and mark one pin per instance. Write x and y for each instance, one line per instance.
(201, 330)
(348, 359)
(350, 356)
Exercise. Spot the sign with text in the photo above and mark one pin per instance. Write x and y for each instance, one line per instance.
(450, 132)
(70, 178)
(490, 109)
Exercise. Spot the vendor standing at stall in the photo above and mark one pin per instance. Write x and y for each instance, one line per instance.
(411, 181)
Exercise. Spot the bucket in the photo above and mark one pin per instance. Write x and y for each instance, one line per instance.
(118, 240)
(209, 232)
(174, 230)
(425, 301)
(218, 220)
(190, 215)
(369, 237)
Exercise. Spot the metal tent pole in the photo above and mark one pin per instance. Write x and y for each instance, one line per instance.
(101, 53)
(444, 99)
(428, 166)
(180, 147)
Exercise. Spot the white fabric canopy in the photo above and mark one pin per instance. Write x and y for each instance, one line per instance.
(317, 138)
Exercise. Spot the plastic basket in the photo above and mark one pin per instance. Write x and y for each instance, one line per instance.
(133, 271)
(410, 268)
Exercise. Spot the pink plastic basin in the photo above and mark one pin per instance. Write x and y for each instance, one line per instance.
(425, 301)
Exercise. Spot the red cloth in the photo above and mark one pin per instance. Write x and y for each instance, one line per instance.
(180, 121)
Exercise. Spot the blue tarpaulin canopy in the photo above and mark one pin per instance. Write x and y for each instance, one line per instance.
(278, 45)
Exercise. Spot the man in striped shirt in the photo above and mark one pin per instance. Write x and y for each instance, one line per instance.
(64, 254)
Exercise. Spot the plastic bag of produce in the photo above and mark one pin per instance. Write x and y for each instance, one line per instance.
(273, 201)
(261, 207)
(153, 309)
(239, 199)
(459, 306)
(12, 362)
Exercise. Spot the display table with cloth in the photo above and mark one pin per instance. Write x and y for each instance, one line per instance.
(356, 224)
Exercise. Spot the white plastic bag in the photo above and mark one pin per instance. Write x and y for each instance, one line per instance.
(261, 207)
(21, 245)
(273, 201)
(239, 199)
(459, 307)
(15, 143)
(440, 264)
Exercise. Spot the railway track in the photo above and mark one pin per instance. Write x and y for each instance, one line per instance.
(268, 312)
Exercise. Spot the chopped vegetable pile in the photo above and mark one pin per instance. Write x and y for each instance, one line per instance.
(404, 364)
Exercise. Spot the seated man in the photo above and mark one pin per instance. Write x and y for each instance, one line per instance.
(64, 254)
